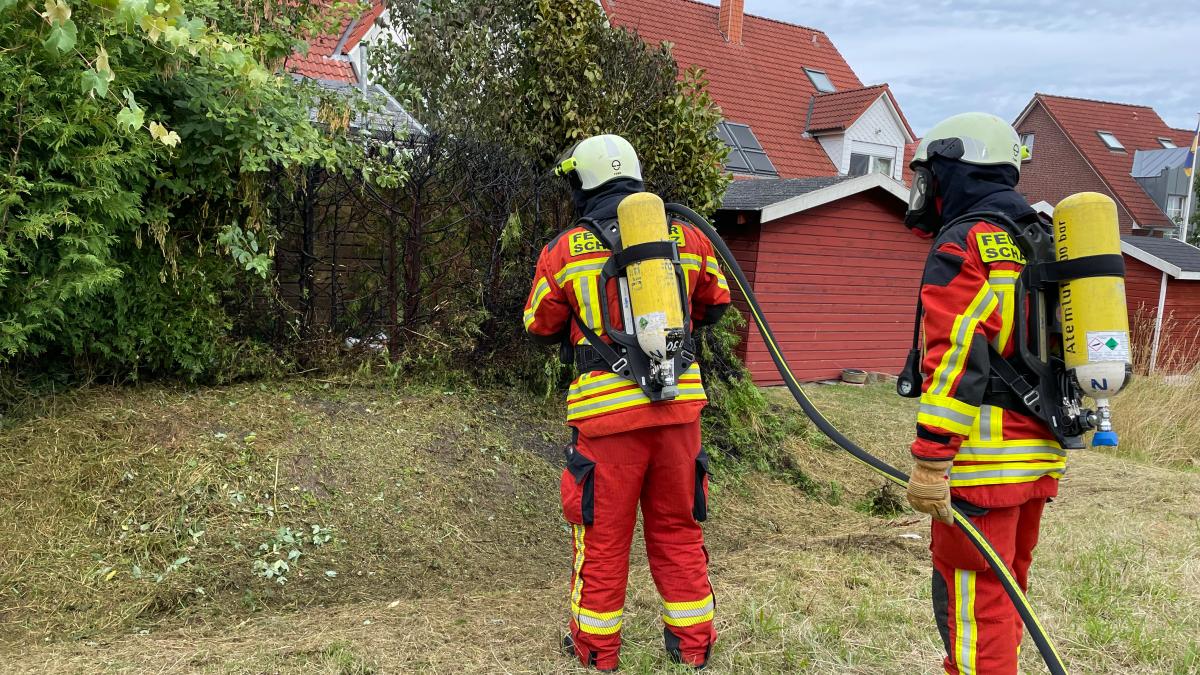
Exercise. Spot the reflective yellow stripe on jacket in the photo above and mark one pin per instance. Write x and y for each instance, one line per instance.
(598, 393)
(1004, 473)
(710, 264)
(947, 413)
(539, 294)
(951, 366)
(1003, 284)
(987, 458)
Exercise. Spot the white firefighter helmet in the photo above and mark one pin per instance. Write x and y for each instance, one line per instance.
(974, 138)
(599, 159)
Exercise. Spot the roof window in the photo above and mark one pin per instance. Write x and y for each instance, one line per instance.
(1110, 140)
(746, 154)
(1166, 142)
(820, 80)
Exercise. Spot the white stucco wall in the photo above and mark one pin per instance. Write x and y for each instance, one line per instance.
(834, 146)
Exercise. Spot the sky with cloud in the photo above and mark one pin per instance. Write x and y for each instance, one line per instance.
(943, 57)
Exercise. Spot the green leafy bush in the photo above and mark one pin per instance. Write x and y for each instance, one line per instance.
(137, 136)
(538, 75)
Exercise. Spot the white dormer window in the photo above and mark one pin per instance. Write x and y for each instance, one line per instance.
(1167, 143)
(820, 80)
(861, 165)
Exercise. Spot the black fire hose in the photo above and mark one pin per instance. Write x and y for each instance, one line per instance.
(1045, 646)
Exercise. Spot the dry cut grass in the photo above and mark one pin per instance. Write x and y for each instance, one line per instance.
(447, 568)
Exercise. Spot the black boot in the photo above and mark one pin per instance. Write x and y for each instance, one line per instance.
(672, 643)
(568, 647)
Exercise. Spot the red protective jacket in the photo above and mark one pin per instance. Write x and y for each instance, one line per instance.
(1001, 457)
(567, 280)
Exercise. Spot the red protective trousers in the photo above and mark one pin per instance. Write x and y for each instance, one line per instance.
(664, 469)
(980, 628)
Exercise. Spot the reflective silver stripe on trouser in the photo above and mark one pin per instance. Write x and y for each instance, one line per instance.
(947, 413)
(689, 613)
(968, 449)
(585, 620)
(1005, 473)
(966, 622)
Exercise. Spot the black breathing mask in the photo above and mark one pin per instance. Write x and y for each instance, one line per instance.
(923, 217)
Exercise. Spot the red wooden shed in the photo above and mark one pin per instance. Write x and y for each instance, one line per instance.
(1162, 288)
(834, 268)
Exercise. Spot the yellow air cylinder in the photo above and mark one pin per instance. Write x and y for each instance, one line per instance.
(653, 288)
(1094, 316)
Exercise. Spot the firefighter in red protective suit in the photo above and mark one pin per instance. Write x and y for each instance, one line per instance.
(975, 442)
(627, 449)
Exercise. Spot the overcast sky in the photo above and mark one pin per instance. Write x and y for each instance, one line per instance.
(944, 57)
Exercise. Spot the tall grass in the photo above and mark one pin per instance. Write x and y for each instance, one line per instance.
(1158, 415)
(1178, 345)
(1158, 419)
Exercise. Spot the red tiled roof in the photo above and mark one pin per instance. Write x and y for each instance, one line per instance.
(910, 151)
(364, 25)
(1137, 127)
(319, 64)
(840, 109)
(320, 67)
(760, 82)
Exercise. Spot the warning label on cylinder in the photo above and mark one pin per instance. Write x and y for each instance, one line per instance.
(1108, 346)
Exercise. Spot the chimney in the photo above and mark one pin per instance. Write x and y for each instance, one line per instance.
(730, 21)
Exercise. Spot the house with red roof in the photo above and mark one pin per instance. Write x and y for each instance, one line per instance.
(815, 213)
(1079, 145)
(341, 56)
(786, 85)
(1127, 152)
(338, 61)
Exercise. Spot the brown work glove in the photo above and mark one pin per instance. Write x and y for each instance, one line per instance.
(929, 491)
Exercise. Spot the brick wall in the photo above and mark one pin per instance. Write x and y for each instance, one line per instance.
(1057, 170)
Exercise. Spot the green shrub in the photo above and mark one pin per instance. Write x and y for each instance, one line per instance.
(137, 137)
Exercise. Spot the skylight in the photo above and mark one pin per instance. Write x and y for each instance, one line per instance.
(1167, 143)
(820, 80)
(1110, 140)
(746, 154)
